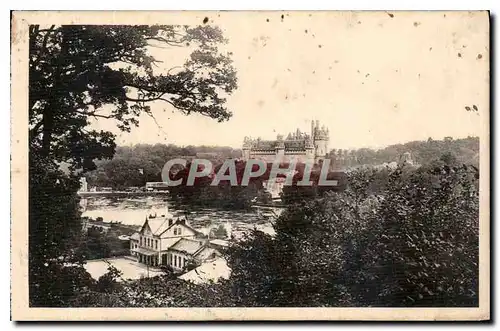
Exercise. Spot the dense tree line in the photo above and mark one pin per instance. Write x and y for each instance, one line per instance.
(133, 166)
(466, 150)
(95, 243)
(237, 196)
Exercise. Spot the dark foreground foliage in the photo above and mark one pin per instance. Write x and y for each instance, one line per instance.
(412, 244)
(81, 73)
(415, 243)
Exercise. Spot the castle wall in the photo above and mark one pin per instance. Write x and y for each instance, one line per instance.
(269, 157)
(297, 145)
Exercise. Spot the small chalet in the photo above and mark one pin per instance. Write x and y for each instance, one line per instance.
(186, 250)
(163, 240)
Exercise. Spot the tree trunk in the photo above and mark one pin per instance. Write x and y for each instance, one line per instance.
(48, 122)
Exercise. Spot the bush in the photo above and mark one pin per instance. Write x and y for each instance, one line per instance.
(411, 242)
(219, 232)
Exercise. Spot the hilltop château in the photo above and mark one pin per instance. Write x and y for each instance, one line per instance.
(303, 146)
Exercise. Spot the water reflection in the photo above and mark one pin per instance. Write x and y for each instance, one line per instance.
(133, 211)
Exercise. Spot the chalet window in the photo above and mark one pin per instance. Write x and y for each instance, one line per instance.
(179, 231)
(141, 241)
(156, 244)
(175, 260)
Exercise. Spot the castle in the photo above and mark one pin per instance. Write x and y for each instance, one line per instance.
(299, 145)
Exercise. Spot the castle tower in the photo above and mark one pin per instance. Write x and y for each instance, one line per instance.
(247, 146)
(320, 141)
(280, 147)
(310, 149)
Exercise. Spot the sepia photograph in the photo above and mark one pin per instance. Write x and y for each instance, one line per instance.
(323, 165)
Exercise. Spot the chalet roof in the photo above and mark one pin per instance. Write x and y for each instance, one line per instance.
(220, 242)
(182, 223)
(158, 225)
(206, 253)
(188, 246)
(208, 272)
(135, 236)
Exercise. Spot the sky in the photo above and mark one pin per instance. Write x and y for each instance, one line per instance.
(373, 78)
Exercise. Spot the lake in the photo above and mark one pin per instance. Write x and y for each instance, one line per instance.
(133, 211)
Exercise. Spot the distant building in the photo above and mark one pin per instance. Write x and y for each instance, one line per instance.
(83, 185)
(303, 146)
(406, 159)
(156, 186)
(275, 187)
(92, 224)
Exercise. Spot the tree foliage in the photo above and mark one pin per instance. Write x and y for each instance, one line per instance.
(219, 232)
(80, 73)
(413, 243)
(133, 166)
(465, 150)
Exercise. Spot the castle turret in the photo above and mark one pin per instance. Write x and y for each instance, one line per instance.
(309, 146)
(321, 138)
(280, 146)
(247, 146)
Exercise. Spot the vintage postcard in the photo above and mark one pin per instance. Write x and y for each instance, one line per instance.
(250, 165)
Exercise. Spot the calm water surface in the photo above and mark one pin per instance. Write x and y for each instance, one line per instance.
(133, 211)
